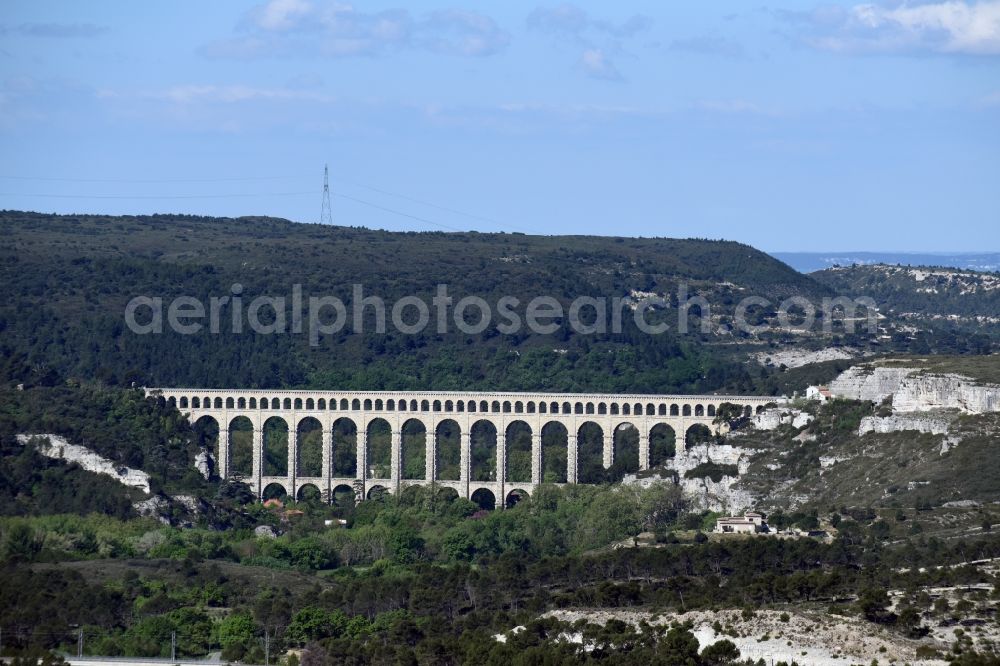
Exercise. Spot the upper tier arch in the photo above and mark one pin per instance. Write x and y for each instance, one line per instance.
(582, 405)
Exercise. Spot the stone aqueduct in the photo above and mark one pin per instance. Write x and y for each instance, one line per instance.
(466, 411)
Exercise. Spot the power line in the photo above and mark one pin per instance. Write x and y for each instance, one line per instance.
(397, 212)
(156, 196)
(325, 215)
(422, 202)
(227, 196)
(428, 203)
(150, 180)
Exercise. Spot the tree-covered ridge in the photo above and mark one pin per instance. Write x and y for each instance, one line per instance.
(66, 280)
(924, 291)
(269, 243)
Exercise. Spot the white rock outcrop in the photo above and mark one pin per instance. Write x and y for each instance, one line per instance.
(915, 391)
(899, 423)
(830, 461)
(155, 507)
(203, 463)
(54, 446)
(721, 496)
(949, 443)
(194, 505)
(770, 419)
(918, 393)
(720, 454)
(796, 358)
(865, 382)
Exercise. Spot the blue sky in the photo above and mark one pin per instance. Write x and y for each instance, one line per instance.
(794, 126)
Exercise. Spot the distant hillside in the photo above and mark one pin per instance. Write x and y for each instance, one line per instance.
(807, 262)
(65, 281)
(926, 296)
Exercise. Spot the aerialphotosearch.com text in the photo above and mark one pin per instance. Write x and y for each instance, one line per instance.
(318, 316)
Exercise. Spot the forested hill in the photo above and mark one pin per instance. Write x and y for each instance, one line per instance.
(65, 282)
(923, 292)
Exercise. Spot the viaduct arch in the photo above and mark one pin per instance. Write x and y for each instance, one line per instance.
(500, 436)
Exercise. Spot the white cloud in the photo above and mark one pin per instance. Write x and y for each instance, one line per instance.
(461, 32)
(598, 66)
(599, 40)
(335, 29)
(565, 18)
(949, 26)
(281, 14)
(573, 21)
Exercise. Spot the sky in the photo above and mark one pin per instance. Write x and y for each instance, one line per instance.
(797, 126)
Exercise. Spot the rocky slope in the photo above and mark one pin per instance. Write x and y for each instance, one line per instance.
(902, 433)
(54, 446)
(178, 509)
(913, 389)
(850, 456)
(710, 474)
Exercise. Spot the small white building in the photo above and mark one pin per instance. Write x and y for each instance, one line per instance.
(818, 393)
(749, 523)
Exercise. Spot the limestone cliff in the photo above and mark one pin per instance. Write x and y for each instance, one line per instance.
(926, 392)
(54, 446)
(867, 382)
(900, 423)
(915, 391)
(723, 495)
